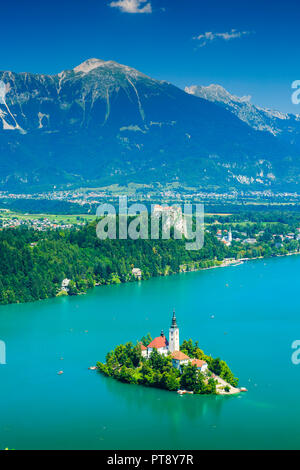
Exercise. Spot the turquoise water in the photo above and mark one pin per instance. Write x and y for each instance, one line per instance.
(257, 317)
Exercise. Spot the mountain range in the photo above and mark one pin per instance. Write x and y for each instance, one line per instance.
(103, 123)
(282, 125)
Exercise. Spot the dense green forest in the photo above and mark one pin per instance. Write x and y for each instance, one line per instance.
(265, 216)
(34, 263)
(126, 364)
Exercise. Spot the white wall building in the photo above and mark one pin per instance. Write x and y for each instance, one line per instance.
(137, 273)
(65, 285)
(160, 344)
(174, 344)
(201, 365)
(179, 359)
(165, 347)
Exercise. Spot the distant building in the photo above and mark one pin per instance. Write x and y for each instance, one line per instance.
(137, 273)
(160, 343)
(227, 239)
(201, 365)
(179, 359)
(165, 347)
(65, 285)
(144, 350)
(174, 335)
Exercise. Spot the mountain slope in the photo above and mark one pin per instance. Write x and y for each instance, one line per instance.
(282, 125)
(104, 123)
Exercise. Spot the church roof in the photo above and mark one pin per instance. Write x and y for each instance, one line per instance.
(198, 362)
(179, 356)
(159, 342)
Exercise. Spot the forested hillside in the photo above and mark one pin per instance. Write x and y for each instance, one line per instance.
(33, 264)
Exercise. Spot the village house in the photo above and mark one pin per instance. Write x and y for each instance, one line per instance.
(65, 285)
(201, 365)
(179, 359)
(290, 236)
(137, 273)
(144, 350)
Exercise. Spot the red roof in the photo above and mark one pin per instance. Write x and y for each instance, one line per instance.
(179, 356)
(198, 362)
(143, 348)
(159, 342)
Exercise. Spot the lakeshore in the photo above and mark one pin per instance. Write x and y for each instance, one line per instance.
(225, 263)
(101, 413)
(238, 262)
(70, 262)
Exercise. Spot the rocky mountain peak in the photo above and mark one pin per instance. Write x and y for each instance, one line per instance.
(216, 92)
(89, 65)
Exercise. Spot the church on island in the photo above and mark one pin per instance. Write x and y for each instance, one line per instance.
(172, 347)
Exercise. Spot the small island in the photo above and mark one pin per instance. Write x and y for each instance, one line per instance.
(164, 364)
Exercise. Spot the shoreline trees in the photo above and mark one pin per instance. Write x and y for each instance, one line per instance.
(126, 364)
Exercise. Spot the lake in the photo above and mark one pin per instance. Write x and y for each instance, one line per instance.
(256, 308)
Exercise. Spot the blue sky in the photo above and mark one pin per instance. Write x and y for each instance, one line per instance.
(249, 47)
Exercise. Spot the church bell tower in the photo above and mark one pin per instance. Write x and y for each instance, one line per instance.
(174, 335)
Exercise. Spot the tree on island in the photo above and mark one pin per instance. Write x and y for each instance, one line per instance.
(146, 339)
(125, 363)
(217, 366)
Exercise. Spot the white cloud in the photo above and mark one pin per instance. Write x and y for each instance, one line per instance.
(132, 6)
(206, 38)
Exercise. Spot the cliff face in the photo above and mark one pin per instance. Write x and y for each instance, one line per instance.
(104, 123)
